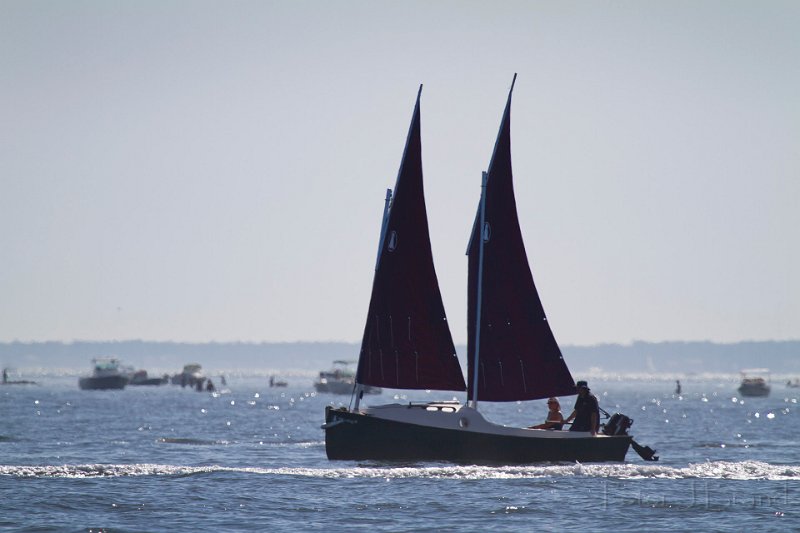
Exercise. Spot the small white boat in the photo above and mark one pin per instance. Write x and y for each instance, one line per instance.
(341, 379)
(754, 382)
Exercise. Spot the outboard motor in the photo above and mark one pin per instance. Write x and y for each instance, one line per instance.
(618, 424)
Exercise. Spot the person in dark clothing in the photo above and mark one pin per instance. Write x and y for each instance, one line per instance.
(586, 412)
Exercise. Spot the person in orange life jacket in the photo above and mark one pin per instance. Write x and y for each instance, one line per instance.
(554, 416)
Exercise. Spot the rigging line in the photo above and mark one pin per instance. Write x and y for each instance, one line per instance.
(380, 346)
(522, 373)
(394, 349)
(397, 366)
(369, 352)
(414, 351)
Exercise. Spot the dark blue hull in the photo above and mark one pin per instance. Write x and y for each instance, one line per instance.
(103, 383)
(356, 436)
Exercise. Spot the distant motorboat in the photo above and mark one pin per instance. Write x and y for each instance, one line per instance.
(140, 377)
(191, 375)
(7, 381)
(341, 379)
(753, 382)
(106, 375)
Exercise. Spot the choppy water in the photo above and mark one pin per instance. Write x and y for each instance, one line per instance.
(253, 458)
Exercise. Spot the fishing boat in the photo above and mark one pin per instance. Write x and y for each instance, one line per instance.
(407, 344)
(106, 374)
(754, 383)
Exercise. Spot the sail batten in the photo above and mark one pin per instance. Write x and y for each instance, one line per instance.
(405, 285)
(506, 320)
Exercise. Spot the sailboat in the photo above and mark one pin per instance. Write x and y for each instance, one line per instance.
(512, 353)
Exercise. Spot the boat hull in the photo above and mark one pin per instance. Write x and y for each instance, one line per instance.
(148, 381)
(754, 390)
(358, 436)
(103, 383)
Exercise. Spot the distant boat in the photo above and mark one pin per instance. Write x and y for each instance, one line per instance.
(277, 383)
(754, 383)
(190, 376)
(106, 374)
(7, 381)
(341, 379)
(140, 377)
(512, 353)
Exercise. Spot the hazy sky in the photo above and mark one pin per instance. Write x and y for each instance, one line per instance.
(194, 171)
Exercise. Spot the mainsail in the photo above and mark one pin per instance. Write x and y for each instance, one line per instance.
(519, 358)
(407, 342)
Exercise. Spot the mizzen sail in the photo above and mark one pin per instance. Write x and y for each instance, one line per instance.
(407, 342)
(519, 358)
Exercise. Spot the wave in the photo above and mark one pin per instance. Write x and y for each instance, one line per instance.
(743, 470)
(196, 442)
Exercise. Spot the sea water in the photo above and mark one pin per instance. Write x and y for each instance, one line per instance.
(252, 458)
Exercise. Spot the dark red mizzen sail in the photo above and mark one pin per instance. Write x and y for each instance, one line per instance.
(519, 358)
(407, 342)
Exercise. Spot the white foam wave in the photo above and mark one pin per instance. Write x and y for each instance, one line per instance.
(744, 470)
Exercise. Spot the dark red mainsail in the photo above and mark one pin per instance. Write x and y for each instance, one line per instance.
(519, 358)
(407, 342)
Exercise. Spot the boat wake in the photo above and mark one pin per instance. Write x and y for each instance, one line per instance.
(196, 442)
(744, 470)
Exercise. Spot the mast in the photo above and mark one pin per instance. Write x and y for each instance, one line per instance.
(474, 389)
(358, 389)
(387, 203)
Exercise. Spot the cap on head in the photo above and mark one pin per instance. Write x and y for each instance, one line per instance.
(581, 383)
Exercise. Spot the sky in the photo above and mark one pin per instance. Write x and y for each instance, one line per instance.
(198, 171)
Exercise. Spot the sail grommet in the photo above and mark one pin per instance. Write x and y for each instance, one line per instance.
(392, 241)
(463, 422)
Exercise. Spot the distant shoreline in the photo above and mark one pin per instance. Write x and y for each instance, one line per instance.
(674, 357)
